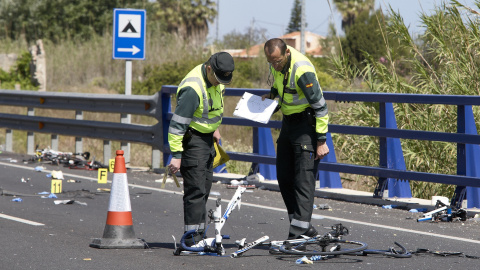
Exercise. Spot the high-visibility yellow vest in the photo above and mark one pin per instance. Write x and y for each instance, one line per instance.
(207, 117)
(209, 113)
(294, 100)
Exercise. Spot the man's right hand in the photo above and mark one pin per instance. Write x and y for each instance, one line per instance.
(174, 165)
(266, 96)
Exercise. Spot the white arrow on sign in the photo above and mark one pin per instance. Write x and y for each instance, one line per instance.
(133, 50)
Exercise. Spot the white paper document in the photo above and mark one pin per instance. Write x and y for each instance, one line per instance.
(253, 108)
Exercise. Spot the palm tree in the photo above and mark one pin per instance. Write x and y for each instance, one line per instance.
(188, 19)
(350, 9)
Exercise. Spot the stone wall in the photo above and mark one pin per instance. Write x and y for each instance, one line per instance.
(38, 67)
(7, 61)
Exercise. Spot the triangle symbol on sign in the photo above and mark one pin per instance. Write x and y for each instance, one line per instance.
(129, 27)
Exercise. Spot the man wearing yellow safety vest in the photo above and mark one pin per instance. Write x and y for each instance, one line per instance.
(301, 143)
(192, 132)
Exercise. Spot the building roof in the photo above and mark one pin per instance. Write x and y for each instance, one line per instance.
(312, 47)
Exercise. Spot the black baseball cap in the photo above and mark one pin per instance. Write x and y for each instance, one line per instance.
(223, 66)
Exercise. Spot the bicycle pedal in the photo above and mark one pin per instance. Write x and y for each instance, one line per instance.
(335, 248)
(274, 251)
(393, 251)
(178, 251)
(301, 248)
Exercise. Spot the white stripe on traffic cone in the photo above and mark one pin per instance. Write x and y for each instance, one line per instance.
(118, 231)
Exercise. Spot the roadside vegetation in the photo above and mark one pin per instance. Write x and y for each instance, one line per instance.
(376, 54)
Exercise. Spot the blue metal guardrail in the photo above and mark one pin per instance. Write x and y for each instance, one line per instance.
(393, 178)
(392, 175)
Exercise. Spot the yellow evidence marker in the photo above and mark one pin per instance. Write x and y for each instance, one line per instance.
(111, 165)
(56, 186)
(102, 175)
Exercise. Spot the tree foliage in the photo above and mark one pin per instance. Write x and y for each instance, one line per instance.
(366, 35)
(57, 20)
(446, 62)
(187, 19)
(238, 40)
(351, 9)
(295, 23)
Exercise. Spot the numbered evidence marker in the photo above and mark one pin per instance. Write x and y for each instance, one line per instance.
(111, 164)
(56, 186)
(102, 175)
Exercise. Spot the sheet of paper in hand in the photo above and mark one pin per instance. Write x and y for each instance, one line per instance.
(252, 107)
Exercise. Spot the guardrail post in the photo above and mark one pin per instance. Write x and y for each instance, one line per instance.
(472, 159)
(155, 158)
(459, 196)
(266, 148)
(107, 151)
(394, 187)
(381, 189)
(329, 179)
(9, 140)
(125, 146)
(54, 142)
(166, 109)
(78, 140)
(468, 161)
(30, 135)
(255, 145)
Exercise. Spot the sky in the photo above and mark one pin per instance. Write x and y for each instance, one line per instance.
(274, 15)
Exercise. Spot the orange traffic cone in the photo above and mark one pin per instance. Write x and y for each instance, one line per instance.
(118, 231)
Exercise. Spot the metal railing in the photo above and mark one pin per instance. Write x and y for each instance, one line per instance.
(159, 107)
(78, 102)
(382, 171)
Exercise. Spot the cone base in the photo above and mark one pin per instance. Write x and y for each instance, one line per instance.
(118, 232)
(110, 243)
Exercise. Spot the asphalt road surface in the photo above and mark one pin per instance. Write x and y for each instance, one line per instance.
(39, 234)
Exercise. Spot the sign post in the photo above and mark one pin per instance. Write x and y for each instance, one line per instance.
(129, 28)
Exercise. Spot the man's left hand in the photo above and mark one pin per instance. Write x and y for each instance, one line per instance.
(217, 136)
(322, 150)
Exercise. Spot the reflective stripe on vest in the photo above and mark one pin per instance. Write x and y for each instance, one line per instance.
(292, 90)
(294, 70)
(204, 119)
(291, 87)
(204, 94)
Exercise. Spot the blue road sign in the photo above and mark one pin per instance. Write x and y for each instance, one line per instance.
(129, 34)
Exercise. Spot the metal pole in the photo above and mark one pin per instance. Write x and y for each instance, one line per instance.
(78, 140)
(30, 135)
(126, 118)
(218, 17)
(302, 31)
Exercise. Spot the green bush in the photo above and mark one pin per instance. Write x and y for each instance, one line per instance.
(326, 81)
(170, 73)
(441, 65)
(19, 74)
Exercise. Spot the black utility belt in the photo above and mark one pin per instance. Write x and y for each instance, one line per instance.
(191, 131)
(307, 115)
(296, 117)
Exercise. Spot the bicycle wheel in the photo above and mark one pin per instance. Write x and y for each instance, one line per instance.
(403, 253)
(312, 247)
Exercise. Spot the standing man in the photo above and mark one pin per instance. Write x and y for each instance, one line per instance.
(192, 132)
(301, 143)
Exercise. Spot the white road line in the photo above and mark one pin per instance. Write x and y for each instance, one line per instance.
(29, 222)
(283, 210)
(332, 218)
